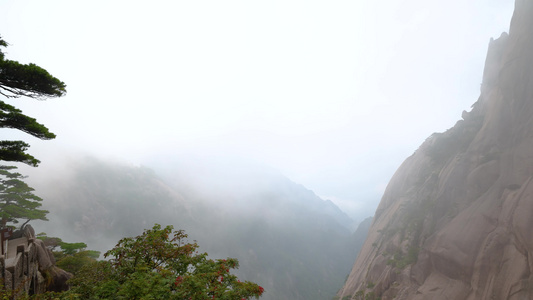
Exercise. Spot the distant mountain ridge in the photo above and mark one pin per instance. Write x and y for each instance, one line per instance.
(455, 220)
(287, 239)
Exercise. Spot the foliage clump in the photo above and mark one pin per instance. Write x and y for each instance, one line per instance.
(401, 260)
(24, 80)
(161, 264)
(17, 200)
(27, 80)
(71, 257)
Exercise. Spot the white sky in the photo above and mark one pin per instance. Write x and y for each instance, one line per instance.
(334, 94)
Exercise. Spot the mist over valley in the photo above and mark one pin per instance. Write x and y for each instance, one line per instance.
(268, 133)
(293, 243)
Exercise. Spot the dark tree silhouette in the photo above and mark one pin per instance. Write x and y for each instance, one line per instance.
(24, 80)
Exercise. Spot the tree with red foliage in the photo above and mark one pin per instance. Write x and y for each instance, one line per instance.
(161, 264)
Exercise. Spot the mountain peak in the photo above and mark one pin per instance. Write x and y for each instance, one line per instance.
(455, 219)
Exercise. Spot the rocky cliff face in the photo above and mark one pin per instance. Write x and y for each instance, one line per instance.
(455, 221)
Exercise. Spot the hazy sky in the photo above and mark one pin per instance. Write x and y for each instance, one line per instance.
(334, 94)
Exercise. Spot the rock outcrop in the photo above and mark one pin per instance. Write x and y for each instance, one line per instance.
(455, 221)
(29, 266)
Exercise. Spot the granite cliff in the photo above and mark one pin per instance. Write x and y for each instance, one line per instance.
(455, 220)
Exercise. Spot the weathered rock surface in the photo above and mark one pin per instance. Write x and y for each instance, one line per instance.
(455, 221)
(45, 258)
(29, 267)
(59, 279)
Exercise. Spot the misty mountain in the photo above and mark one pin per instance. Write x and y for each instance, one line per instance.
(287, 239)
(359, 236)
(455, 220)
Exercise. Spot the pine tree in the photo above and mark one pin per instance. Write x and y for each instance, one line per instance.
(17, 201)
(24, 80)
